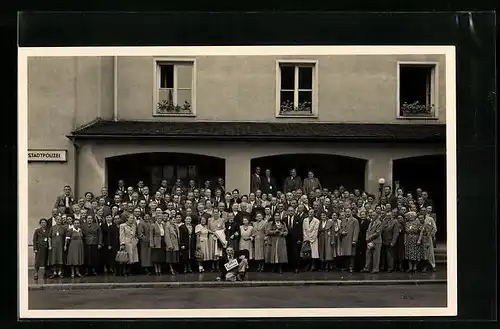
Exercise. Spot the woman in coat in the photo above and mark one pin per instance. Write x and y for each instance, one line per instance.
(413, 250)
(259, 236)
(128, 240)
(110, 244)
(277, 233)
(247, 237)
(349, 231)
(41, 246)
(185, 242)
(215, 223)
(202, 243)
(56, 240)
(92, 239)
(74, 246)
(143, 233)
(157, 242)
(326, 241)
(172, 242)
(310, 228)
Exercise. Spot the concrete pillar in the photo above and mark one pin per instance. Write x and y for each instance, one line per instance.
(379, 166)
(238, 173)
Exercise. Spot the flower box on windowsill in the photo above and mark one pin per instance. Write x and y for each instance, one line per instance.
(167, 108)
(417, 111)
(303, 110)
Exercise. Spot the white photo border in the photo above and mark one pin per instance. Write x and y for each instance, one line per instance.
(191, 51)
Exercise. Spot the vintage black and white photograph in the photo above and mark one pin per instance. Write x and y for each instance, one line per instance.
(296, 180)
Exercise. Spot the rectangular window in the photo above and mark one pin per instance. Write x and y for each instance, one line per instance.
(296, 84)
(174, 88)
(417, 94)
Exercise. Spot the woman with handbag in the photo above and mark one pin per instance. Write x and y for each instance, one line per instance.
(202, 253)
(247, 237)
(128, 242)
(157, 242)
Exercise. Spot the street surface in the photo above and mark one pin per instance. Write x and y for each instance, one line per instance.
(432, 295)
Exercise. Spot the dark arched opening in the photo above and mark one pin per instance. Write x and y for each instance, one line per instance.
(332, 170)
(428, 173)
(153, 167)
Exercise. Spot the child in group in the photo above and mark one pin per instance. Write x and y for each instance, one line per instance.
(243, 265)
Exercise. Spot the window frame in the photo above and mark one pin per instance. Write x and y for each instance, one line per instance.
(157, 62)
(434, 89)
(315, 84)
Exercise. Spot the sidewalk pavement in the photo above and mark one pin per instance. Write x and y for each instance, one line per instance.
(253, 279)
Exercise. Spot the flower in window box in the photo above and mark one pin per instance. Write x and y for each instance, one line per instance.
(417, 109)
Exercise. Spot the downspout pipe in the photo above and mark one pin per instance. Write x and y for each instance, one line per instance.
(76, 168)
(115, 88)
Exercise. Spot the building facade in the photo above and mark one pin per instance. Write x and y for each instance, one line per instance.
(354, 118)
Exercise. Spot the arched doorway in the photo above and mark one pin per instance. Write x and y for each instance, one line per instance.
(153, 167)
(427, 172)
(332, 170)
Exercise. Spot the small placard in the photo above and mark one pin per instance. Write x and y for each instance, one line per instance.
(47, 155)
(231, 264)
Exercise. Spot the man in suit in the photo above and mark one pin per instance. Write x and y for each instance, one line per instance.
(160, 201)
(218, 197)
(129, 196)
(256, 180)
(244, 211)
(106, 209)
(390, 197)
(65, 200)
(373, 239)
(390, 233)
(104, 194)
(121, 187)
(294, 237)
(228, 205)
(237, 214)
(145, 195)
(268, 184)
(311, 183)
(292, 183)
(427, 201)
(273, 205)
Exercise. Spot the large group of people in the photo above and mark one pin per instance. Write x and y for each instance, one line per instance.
(184, 229)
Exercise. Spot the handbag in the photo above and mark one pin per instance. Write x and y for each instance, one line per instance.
(305, 251)
(121, 257)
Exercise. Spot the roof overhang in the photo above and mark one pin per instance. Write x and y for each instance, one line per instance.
(260, 131)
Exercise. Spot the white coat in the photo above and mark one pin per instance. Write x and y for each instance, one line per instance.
(310, 230)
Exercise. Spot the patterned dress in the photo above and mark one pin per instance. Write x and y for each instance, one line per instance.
(413, 252)
(129, 239)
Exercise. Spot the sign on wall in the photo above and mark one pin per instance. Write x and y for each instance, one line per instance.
(47, 155)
